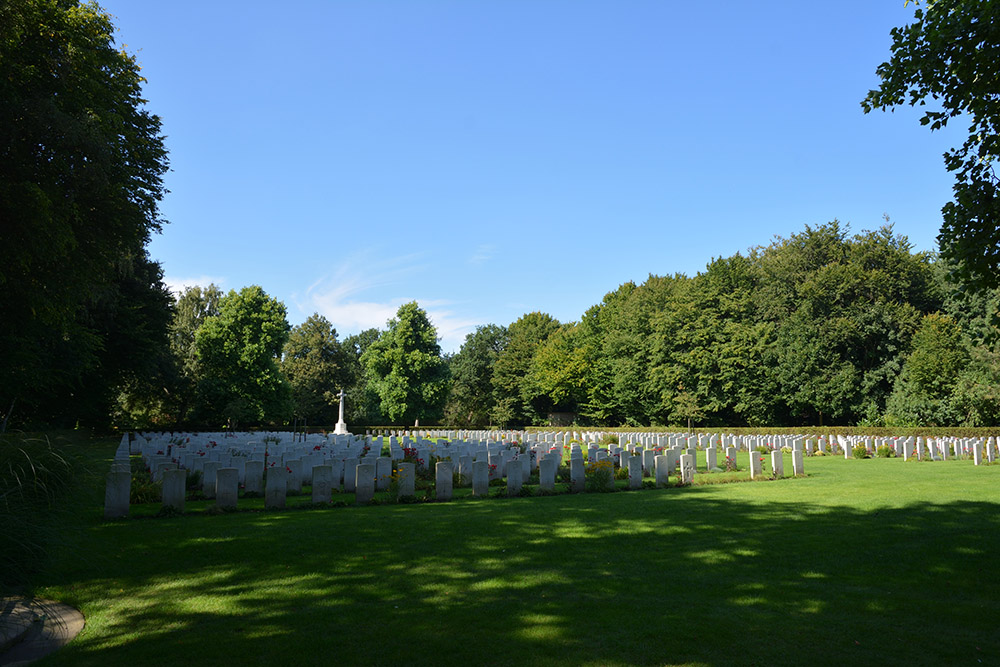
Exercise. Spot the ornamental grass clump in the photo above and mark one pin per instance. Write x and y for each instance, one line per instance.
(35, 480)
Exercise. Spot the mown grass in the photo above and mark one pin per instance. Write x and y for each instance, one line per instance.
(874, 562)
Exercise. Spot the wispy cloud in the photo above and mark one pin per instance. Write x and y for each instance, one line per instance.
(482, 254)
(177, 285)
(339, 297)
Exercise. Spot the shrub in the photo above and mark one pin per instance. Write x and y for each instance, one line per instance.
(885, 451)
(859, 452)
(600, 477)
(609, 439)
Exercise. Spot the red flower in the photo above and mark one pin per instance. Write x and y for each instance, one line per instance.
(288, 470)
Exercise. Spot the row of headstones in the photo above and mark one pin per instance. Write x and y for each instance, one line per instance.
(934, 448)
(369, 475)
(300, 468)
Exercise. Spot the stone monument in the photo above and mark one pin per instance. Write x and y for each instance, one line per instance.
(341, 425)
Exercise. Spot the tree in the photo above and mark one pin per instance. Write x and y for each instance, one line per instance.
(316, 367)
(951, 54)
(923, 390)
(81, 166)
(511, 369)
(363, 404)
(405, 367)
(471, 400)
(238, 351)
(558, 371)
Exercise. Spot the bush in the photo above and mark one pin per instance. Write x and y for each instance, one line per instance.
(609, 439)
(885, 451)
(600, 477)
(859, 452)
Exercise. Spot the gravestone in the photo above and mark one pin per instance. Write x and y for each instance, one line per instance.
(547, 473)
(711, 459)
(350, 475)
(756, 467)
(254, 472)
(294, 472)
(443, 479)
(634, 472)
(577, 478)
(662, 470)
(174, 488)
(322, 483)
(337, 471)
(208, 476)
(364, 483)
(407, 480)
(687, 468)
(515, 479)
(480, 478)
(778, 463)
(116, 494)
(648, 462)
(227, 488)
(797, 463)
(274, 490)
(383, 471)
(465, 470)
(730, 458)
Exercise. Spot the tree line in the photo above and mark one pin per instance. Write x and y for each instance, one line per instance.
(823, 327)
(820, 328)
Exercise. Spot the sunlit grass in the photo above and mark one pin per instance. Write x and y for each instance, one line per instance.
(839, 566)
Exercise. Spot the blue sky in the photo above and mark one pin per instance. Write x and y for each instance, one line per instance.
(493, 158)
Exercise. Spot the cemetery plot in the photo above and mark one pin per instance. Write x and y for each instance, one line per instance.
(227, 471)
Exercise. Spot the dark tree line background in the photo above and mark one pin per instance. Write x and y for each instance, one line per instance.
(823, 327)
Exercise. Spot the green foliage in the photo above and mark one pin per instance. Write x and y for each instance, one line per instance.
(238, 351)
(600, 477)
(557, 375)
(923, 390)
(363, 404)
(515, 402)
(859, 451)
(81, 166)
(316, 367)
(884, 452)
(405, 369)
(472, 401)
(951, 54)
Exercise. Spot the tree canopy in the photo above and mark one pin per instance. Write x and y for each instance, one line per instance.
(405, 369)
(238, 351)
(317, 368)
(950, 55)
(81, 167)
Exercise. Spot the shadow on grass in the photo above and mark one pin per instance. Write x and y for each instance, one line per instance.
(631, 578)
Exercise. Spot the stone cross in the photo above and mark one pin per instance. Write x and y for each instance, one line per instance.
(341, 428)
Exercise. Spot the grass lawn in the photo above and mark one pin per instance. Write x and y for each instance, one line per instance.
(867, 562)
